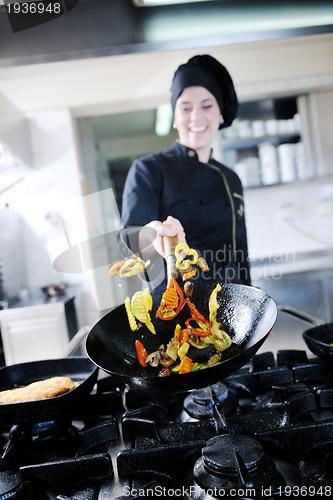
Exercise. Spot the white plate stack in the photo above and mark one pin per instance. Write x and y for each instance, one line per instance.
(248, 171)
(286, 155)
(300, 163)
(268, 164)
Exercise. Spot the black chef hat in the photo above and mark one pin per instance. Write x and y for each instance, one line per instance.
(205, 71)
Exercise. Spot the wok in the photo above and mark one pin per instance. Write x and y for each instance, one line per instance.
(319, 338)
(247, 314)
(80, 369)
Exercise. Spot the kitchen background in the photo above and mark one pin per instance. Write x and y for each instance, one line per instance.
(83, 95)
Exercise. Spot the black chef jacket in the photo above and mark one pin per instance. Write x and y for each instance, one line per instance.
(206, 198)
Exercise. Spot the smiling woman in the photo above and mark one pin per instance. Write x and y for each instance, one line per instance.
(183, 192)
(197, 118)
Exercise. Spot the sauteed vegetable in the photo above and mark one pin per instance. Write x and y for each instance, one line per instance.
(185, 265)
(129, 267)
(197, 330)
(172, 301)
(138, 309)
(200, 336)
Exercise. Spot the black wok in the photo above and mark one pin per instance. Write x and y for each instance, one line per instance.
(319, 338)
(80, 369)
(247, 314)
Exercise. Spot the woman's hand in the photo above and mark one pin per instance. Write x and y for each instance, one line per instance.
(170, 227)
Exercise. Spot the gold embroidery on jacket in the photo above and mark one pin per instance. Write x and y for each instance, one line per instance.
(232, 206)
(240, 211)
(236, 195)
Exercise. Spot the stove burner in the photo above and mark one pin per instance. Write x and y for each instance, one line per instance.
(43, 431)
(316, 465)
(231, 462)
(213, 442)
(12, 486)
(199, 405)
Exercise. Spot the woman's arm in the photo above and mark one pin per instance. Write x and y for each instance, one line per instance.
(141, 204)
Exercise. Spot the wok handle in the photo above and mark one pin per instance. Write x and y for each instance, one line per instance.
(170, 243)
(76, 341)
(301, 315)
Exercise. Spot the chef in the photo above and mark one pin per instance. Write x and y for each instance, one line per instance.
(184, 192)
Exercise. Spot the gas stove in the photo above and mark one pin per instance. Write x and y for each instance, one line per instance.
(265, 432)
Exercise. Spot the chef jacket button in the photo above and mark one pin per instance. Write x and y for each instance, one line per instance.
(191, 153)
(228, 203)
(202, 202)
(199, 237)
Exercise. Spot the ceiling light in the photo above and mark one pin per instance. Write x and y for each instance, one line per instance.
(151, 3)
(164, 116)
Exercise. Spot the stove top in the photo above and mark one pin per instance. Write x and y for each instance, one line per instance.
(265, 432)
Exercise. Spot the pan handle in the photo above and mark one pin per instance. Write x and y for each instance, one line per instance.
(76, 341)
(308, 318)
(170, 243)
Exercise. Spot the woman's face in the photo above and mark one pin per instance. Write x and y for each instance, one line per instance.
(197, 118)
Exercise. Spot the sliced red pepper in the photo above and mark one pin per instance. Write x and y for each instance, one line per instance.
(198, 331)
(195, 312)
(186, 365)
(141, 353)
(173, 284)
(180, 293)
(164, 373)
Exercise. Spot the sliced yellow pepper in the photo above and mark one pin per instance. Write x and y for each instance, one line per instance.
(182, 351)
(219, 338)
(182, 264)
(141, 304)
(130, 315)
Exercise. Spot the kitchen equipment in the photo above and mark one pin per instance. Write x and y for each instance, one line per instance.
(318, 339)
(300, 162)
(170, 243)
(36, 327)
(247, 314)
(286, 155)
(249, 171)
(80, 369)
(267, 429)
(55, 290)
(271, 126)
(268, 163)
(261, 431)
(258, 128)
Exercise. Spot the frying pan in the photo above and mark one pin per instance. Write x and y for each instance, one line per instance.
(247, 314)
(80, 369)
(319, 339)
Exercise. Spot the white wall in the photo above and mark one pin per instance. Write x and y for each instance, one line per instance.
(286, 223)
(49, 199)
(142, 81)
